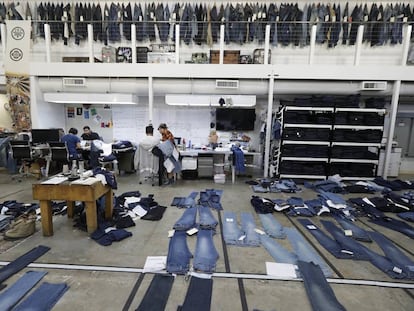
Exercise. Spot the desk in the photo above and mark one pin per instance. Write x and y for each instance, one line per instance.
(212, 153)
(70, 192)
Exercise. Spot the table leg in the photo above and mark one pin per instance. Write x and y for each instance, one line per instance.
(109, 204)
(70, 208)
(91, 216)
(46, 215)
(233, 174)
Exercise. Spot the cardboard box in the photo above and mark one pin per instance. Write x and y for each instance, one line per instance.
(229, 57)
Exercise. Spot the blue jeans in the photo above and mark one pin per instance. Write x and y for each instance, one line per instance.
(320, 293)
(305, 251)
(393, 253)
(271, 226)
(187, 220)
(277, 251)
(248, 226)
(44, 297)
(357, 232)
(205, 255)
(198, 296)
(12, 295)
(207, 220)
(178, 258)
(231, 230)
(328, 243)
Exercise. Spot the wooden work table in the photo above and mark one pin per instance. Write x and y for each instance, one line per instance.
(71, 192)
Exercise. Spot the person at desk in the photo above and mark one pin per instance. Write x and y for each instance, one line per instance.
(73, 143)
(213, 139)
(88, 134)
(166, 135)
(149, 141)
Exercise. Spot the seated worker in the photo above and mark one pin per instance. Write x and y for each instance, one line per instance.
(149, 141)
(146, 146)
(213, 139)
(73, 143)
(88, 134)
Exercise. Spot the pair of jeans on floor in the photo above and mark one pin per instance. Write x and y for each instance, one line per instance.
(188, 219)
(244, 236)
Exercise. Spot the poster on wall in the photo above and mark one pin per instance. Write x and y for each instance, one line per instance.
(16, 65)
(71, 112)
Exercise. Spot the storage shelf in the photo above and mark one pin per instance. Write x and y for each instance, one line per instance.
(339, 160)
(343, 143)
(301, 108)
(304, 142)
(357, 127)
(361, 110)
(305, 159)
(307, 125)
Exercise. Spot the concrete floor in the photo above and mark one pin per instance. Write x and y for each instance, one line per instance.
(109, 278)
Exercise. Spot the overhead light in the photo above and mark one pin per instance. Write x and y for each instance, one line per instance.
(210, 100)
(91, 98)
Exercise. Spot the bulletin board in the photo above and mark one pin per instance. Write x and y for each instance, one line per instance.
(98, 118)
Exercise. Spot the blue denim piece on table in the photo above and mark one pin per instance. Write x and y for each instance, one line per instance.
(178, 258)
(12, 295)
(198, 296)
(43, 298)
(305, 251)
(231, 230)
(271, 226)
(205, 255)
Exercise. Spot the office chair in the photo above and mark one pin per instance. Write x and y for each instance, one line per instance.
(148, 165)
(22, 151)
(59, 153)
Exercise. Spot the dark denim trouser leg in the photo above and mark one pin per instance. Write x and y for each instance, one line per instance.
(157, 294)
(320, 293)
(198, 295)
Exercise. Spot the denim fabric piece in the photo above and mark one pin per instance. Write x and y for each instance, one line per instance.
(305, 251)
(43, 298)
(207, 220)
(394, 224)
(12, 295)
(178, 258)
(277, 251)
(357, 232)
(187, 220)
(409, 216)
(231, 230)
(271, 226)
(320, 293)
(198, 296)
(334, 198)
(157, 294)
(22, 261)
(381, 262)
(205, 255)
(248, 227)
(393, 253)
(328, 243)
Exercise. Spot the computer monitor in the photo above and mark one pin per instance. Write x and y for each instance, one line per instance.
(41, 136)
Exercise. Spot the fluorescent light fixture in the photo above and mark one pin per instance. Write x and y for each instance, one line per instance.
(91, 98)
(210, 100)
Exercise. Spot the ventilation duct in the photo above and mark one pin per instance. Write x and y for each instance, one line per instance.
(74, 81)
(227, 84)
(373, 86)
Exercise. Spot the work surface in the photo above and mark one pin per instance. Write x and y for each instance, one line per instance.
(109, 278)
